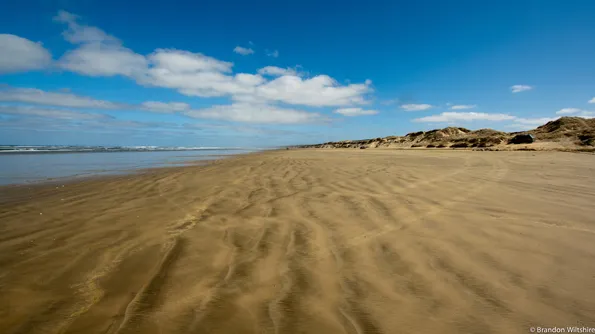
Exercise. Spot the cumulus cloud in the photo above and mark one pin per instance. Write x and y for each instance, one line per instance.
(416, 107)
(165, 107)
(77, 33)
(235, 129)
(204, 83)
(533, 121)
(355, 112)
(178, 61)
(255, 113)
(99, 53)
(448, 117)
(319, 91)
(529, 123)
(274, 53)
(520, 123)
(520, 88)
(19, 55)
(195, 74)
(592, 100)
(37, 96)
(243, 51)
(49, 113)
(566, 111)
(277, 71)
(71, 122)
(462, 106)
(70, 100)
(99, 60)
(576, 112)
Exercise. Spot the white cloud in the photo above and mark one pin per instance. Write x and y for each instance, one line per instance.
(178, 61)
(277, 71)
(78, 34)
(355, 112)
(585, 114)
(529, 123)
(96, 59)
(457, 117)
(65, 17)
(248, 98)
(592, 100)
(566, 111)
(220, 129)
(255, 113)
(18, 54)
(576, 112)
(533, 121)
(243, 51)
(195, 74)
(319, 91)
(49, 113)
(59, 99)
(165, 107)
(520, 88)
(447, 117)
(99, 54)
(273, 54)
(37, 96)
(416, 107)
(462, 106)
(204, 84)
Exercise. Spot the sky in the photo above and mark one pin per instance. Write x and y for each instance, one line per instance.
(274, 73)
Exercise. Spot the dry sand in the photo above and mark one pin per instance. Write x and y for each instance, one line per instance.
(307, 241)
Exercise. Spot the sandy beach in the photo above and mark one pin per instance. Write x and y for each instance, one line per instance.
(307, 241)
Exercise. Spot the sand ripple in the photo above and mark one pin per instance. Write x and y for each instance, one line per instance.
(307, 241)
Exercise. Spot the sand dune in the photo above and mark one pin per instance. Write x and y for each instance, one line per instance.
(566, 134)
(307, 241)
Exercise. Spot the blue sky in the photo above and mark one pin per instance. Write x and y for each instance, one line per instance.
(262, 73)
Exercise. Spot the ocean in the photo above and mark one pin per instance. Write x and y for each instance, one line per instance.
(30, 164)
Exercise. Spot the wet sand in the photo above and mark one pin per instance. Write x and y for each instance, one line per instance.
(307, 241)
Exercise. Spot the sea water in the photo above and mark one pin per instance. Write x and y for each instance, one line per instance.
(22, 164)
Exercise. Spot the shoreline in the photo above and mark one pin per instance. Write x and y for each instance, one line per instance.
(10, 192)
(15, 190)
(118, 172)
(108, 149)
